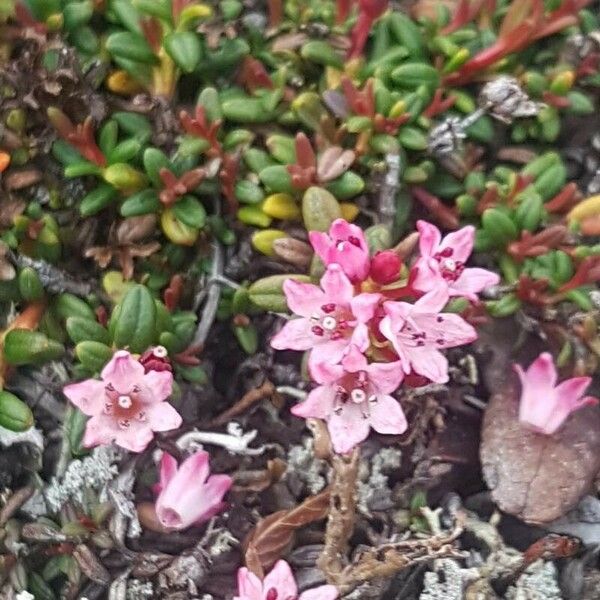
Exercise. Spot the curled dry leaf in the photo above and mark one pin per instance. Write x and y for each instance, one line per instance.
(90, 565)
(296, 252)
(335, 161)
(260, 479)
(536, 477)
(273, 535)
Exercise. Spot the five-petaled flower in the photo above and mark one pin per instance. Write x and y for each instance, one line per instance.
(187, 495)
(443, 261)
(354, 396)
(331, 317)
(418, 332)
(279, 584)
(126, 406)
(345, 245)
(544, 406)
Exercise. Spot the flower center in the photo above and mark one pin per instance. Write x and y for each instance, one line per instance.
(354, 387)
(124, 408)
(160, 352)
(352, 239)
(332, 323)
(412, 335)
(451, 269)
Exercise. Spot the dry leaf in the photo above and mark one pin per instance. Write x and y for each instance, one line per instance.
(273, 535)
(335, 161)
(536, 477)
(259, 480)
(90, 565)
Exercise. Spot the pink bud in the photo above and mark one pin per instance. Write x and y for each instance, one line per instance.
(385, 267)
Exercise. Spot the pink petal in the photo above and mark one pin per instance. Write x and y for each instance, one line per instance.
(342, 230)
(446, 330)
(304, 299)
(163, 417)
(541, 375)
(473, 281)
(326, 372)
(318, 404)
(321, 244)
(134, 439)
(330, 351)
(429, 238)
(296, 334)
(429, 362)
(347, 429)
(461, 242)
(214, 490)
(425, 275)
(363, 306)
(281, 579)
(249, 585)
(386, 377)
(123, 371)
(324, 592)
(100, 430)
(168, 469)
(571, 390)
(354, 360)
(353, 261)
(432, 302)
(194, 470)
(388, 327)
(360, 337)
(159, 385)
(387, 415)
(88, 396)
(337, 286)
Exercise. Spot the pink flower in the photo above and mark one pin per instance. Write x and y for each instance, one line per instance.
(127, 406)
(544, 406)
(279, 584)
(443, 261)
(419, 331)
(345, 245)
(187, 495)
(353, 397)
(332, 317)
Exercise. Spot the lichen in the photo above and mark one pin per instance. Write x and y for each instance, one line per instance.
(306, 467)
(373, 489)
(90, 474)
(447, 581)
(138, 590)
(537, 583)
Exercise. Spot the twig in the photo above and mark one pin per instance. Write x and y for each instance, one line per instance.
(244, 403)
(14, 503)
(209, 312)
(342, 515)
(389, 188)
(53, 279)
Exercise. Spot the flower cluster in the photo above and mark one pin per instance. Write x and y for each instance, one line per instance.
(362, 341)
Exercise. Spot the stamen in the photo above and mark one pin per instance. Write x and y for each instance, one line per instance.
(124, 401)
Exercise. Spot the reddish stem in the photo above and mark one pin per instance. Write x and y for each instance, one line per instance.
(443, 214)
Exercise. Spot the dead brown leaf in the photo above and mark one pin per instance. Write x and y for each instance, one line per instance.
(259, 480)
(274, 535)
(536, 477)
(335, 161)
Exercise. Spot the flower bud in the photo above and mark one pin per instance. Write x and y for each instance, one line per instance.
(155, 359)
(385, 267)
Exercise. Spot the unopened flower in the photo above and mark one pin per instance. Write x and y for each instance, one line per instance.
(126, 406)
(385, 267)
(279, 584)
(345, 244)
(188, 495)
(156, 359)
(443, 261)
(544, 406)
(331, 317)
(418, 332)
(354, 396)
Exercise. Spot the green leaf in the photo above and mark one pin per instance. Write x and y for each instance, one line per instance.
(135, 326)
(131, 46)
(184, 48)
(190, 212)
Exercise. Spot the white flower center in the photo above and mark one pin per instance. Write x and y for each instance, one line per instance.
(329, 323)
(124, 401)
(160, 352)
(449, 264)
(340, 246)
(358, 396)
